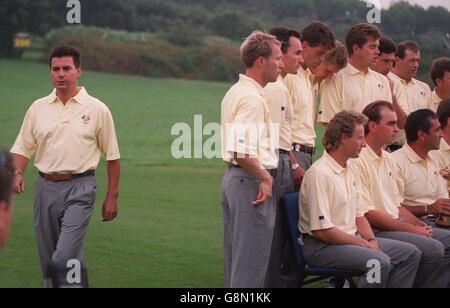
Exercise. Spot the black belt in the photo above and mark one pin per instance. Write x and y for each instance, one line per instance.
(65, 177)
(272, 172)
(283, 151)
(303, 148)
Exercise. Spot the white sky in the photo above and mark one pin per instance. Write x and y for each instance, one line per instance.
(424, 3)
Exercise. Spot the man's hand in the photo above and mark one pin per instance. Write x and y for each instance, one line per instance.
(442, 206)
(297, 176)
(265, 191)
(426, 230)
(19, 183)
(370, 245)
(110, 209)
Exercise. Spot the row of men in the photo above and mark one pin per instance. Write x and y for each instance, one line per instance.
(287, 72)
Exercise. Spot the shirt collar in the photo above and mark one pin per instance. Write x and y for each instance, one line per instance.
(334, 165)
(435, 98)
(413, 81)
(411, 154)
(370, 154)
(444, 145)
(80, 98)
(251, 82)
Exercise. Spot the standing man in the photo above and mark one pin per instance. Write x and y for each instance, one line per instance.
(317, 39)
(67, 130)
(440, 74)
(386, 59)
(282, 270)
(6, 189)
(248, 203)
(356, 86)
(335, 60)
(380, 195)
(442, 156)
(334, 230)
(411, 93)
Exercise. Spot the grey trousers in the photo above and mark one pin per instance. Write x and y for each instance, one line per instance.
(305, 161)
(248, 230)
(282, 270)
(405, 257)
(62, 211)
(434, 270)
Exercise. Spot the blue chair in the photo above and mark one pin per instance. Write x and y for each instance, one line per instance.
(291, 211)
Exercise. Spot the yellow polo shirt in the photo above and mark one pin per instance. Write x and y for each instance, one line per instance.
(411, 96)
(329, 197)
(435, 100)
(246, 125)
(280, 107)
(67, 138)
(301, 90)
(419, 179)
(351, 89)
(441, 157)
(378, 176)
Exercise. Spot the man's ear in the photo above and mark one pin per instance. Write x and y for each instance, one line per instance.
(372, 126)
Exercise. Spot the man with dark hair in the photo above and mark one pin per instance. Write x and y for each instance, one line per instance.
(282, 270)
(247, 189)
(440, 74)
(357, 85)
(317, 39)
(382, 200)
(386, 60)
(67, 132)
(411, 93)
(6, 190)
(335, 233)
(335, 60)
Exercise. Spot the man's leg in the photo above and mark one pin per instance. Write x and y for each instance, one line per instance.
(252, 230)
(430, 274)
(405, 258)
(47, 207)
(348, 257)
(69, 254)
(280, 255)
(228, 230)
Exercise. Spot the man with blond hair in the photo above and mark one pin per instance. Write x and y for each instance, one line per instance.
(248, 202)
(335, 233)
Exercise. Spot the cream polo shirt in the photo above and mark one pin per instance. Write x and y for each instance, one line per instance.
(246, 125)
(301, 90)
(351, 89)
(329, 197)
(435, 100)
(411, 96)
(67, 138)
(280, 107)
(378, 177)
(419, 180)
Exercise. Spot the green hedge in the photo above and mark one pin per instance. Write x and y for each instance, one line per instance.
(149, 55)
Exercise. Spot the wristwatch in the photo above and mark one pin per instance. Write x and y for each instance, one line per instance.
(295, 167)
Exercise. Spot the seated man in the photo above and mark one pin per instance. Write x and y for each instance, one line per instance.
(335, 232)
(378, 176)
(6, 182)
(422, 189)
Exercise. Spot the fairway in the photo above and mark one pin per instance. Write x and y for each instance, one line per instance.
(169, 229)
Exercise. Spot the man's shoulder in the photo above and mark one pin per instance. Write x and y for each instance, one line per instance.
(423, 85)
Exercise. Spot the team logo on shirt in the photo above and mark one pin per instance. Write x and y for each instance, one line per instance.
(86, 119)
(380, 86)
(423, 94)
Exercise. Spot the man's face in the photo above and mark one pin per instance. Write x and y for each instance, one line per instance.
(325, 70)
(368, 54)
(313, 56)
(293, 57)
(355, 144)
(64, 75)
(432, 140)
(384, 64)
(387, 129)
(444, 85)
(408, 67)
(273, 65)
(5, 222)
